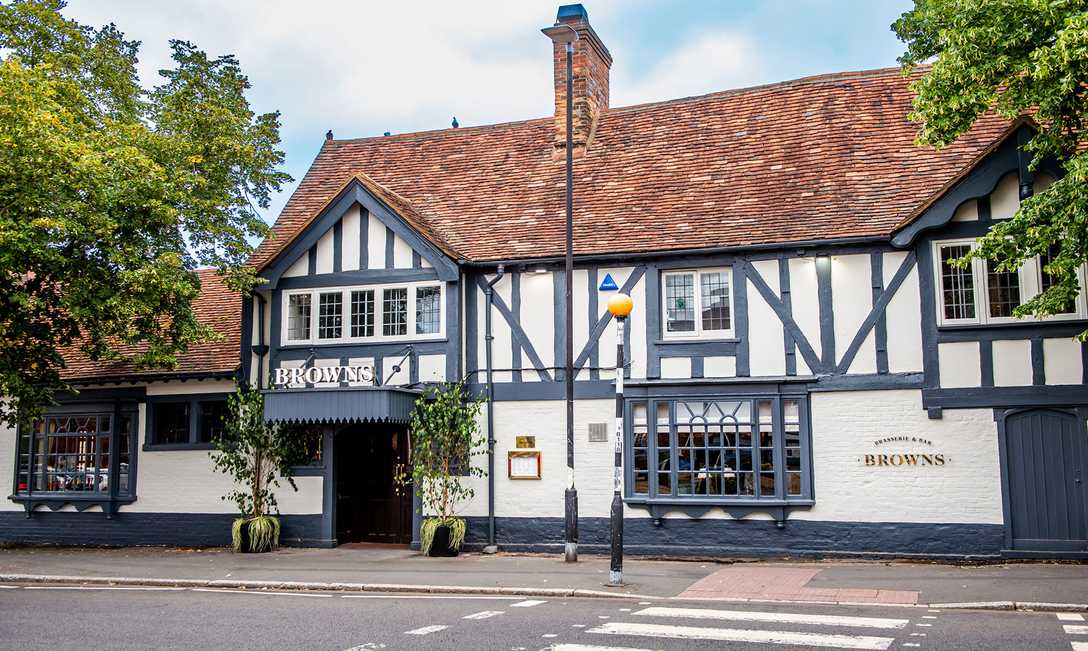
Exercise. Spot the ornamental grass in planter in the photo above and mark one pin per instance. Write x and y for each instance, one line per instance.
(257, 455)
(444, 435)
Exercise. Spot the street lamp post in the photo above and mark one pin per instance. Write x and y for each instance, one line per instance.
(561, 33)
(620, 306)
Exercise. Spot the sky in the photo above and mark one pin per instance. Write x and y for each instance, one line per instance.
(362, 67)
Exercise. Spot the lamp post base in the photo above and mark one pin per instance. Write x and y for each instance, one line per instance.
(615, 579)
(570, 552)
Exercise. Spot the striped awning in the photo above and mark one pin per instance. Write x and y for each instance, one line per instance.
(344, 405)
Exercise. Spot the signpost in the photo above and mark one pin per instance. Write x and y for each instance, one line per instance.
(620, 306)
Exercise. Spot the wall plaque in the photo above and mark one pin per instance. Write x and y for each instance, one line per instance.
(900, 453)
(523, 464)
(525, 441)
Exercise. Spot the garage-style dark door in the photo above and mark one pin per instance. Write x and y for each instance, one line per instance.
(1046, 454)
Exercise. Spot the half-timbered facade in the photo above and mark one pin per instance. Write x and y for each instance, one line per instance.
(806, 372)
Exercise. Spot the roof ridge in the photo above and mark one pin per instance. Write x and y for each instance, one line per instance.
(426, 133)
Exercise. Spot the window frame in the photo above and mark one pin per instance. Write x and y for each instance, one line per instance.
(652, 496)
(699, 333)
(377, 322)
(1030, 278)
(196, 413)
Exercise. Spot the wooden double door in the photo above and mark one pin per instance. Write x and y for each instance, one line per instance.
(371, 505)
(1046, 455)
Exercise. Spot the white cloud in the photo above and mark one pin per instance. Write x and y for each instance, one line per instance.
(711, 62)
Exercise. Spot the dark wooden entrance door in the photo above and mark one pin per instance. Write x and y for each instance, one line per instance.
(1046, 459)
(370, 505)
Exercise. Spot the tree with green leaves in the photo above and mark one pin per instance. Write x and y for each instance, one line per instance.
(111, 194)
(445, 435)
(257, 455)
(1015, 58)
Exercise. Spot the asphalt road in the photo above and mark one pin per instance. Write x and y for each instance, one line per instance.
(58, 618)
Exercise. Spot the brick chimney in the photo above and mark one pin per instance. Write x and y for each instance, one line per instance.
(591, 62)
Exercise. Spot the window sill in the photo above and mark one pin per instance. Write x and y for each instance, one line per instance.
(1026, 322)
(697, 507)
(377, 341)
(81, 502)
(696, 340)
(166, 447)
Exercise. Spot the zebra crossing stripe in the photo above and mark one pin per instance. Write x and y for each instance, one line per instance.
(590, 647)
(1080, 646)
(777, 618)
(745, 635)
(1073, 629)
(426, 630)
(1070, 617)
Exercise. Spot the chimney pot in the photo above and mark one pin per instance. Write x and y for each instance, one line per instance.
(590, 66)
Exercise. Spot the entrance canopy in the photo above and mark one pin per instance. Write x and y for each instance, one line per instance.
(340, 405)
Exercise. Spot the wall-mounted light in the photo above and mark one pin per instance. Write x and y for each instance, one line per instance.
(540, 270)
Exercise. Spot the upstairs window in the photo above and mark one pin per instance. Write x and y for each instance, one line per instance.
(358, 315)
(697, 303)
(983, 294)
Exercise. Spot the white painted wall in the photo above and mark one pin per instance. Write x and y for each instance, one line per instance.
(402, 253)
(966, 212)
(324, 251)
(806, 305)
(851, 301)
(844, 425)
(9, 446)
(903, 318)
(350, 243)
(1005, 199)
(766, 338)
(375, 243)
(1062, 361)
(537, 304)
(959, 362)
(1012, 363)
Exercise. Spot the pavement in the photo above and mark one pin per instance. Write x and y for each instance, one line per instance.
(57, 618)
(1042, 586)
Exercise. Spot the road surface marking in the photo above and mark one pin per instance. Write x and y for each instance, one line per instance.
(933, 610)
(926, 625)
(103, 587)
(484, 614)
(644, 603)
(625, 610)
(929, 617)
(528, 603)
(602, 616)
(745, 635)
(425, 596)
(577, 625)
(9, 587)
(778, 618)
(1070, 617)
(265, 592)
(590, 647)
(911, 644)
(550, 635)
(1073, 629)
(426, 630)
(917, 634)
(1080, 646)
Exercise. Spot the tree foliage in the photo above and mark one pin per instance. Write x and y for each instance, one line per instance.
(112, 194)
(257, 454)
(444, 437)
(1016, 58)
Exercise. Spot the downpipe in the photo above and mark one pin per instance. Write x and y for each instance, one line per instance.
(489, 293)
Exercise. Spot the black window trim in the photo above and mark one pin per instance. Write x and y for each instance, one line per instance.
(736, 506)
(194, 400)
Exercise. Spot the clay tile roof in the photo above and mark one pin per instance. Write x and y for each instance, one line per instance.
(217, 307)
(819, 158)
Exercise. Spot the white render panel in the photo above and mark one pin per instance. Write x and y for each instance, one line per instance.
(185, 481)
(375, 243)
(477, 294)
(324, 251)
(432, 368)
(361, 361)
(502, 345)
(292, 363)
(396, 378)
(675, 367)
(424, 263)
(722, 366)
(1012, 363)
(903, 318)
(1005, 200)
(1062, 361)
(8, 448)
(402, 253)
(580, 301)
(325, 363)
(967, 489)
(636, 323)
(349, 246)
(299, 267)
(959, 362)
(192, 386)
(806, 302)
(766, 339)
(537, 305)
(966, 212)
(851, 300)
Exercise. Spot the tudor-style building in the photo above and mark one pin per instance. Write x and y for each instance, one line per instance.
(807, 373)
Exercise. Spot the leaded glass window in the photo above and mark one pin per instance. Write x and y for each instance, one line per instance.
(957, 284)
(298, 317)
(1048, 280)
(362, 313)
(330, 315)
(428, 310)
(395, 312)
(1004, 290)
(697, 302)
(725, 449)
(680, 302)
(76, 454)
(714, 297)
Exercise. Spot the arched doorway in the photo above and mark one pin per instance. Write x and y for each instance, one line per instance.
(371, 506)
(1045, 455)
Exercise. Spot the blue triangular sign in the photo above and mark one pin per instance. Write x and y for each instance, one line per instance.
(608, 285)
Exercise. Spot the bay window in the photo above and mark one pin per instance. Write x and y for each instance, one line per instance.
(983, 294)
(361, 315)
(697, 303)
(721, 450)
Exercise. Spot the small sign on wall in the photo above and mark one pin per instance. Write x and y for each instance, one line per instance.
(525, 442)
(523, 464)
(903, 453)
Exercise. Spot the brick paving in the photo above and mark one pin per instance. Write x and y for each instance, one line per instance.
(785, 584)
